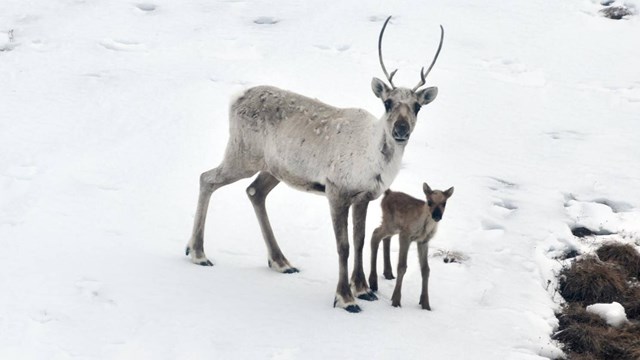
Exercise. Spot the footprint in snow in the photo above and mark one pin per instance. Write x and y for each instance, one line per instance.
(266, 20)
(513, 71)
(502, 206)
(121, 45)
(565, 135)
(92, 290)
(146, 7)
(335, 48)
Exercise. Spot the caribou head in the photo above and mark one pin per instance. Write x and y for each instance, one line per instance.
(402, 104)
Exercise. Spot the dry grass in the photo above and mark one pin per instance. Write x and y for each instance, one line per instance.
(612, 276)
(587, 336)
(625, 255)
(591, 281)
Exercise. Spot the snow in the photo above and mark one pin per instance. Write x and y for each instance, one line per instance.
(613, 313)
(109, 111)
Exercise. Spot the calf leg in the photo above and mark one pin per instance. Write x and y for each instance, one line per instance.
(210, 181)
(258, 191)
(378, 234)
(402, 268)
(358, 281)
(423, 254)
(386, 249)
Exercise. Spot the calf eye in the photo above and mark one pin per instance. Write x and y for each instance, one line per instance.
(416, 108)
(388, 104)
(430, 203)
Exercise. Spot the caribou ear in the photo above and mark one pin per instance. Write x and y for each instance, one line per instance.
(380, 88)
(427, 95)
(427, 190)
(449, 192)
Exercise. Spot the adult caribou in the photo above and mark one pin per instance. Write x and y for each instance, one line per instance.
(347, 155)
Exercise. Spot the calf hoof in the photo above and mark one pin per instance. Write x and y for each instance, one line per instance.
(388, 276)
(373, 286)
(368, 296)
(291, 270)
(394, 304)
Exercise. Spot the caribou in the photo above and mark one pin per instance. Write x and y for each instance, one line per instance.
(345, 154)
(414, 220)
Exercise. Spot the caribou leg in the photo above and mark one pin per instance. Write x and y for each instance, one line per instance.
(257, 192)
(358, 281)
(340, 217)
(377, 236)
(210, 181)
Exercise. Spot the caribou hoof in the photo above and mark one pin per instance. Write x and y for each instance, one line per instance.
(368, 296)
(284, 267)
(198, 260)
(353, 308)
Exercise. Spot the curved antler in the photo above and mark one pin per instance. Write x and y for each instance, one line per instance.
(389, 77)
(423, 75)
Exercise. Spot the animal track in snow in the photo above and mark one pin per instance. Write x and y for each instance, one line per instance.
(92, 289)
(146, 7)
(338, 48)
(502, 206)
(266, 20)
(121, 45)
(565, 135)
(490, 225)
(513, 71)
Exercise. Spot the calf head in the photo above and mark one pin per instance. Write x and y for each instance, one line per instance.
(436, 201)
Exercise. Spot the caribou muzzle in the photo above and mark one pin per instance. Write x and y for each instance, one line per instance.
(436, 214)
(401, 131)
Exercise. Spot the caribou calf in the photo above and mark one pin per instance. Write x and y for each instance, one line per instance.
(415, 220)
(347, 155)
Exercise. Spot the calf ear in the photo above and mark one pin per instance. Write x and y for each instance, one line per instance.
(449, 192)
(427, 95)
(427, 190)
(380, 89)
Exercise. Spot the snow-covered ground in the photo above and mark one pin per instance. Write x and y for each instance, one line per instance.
(110, 110)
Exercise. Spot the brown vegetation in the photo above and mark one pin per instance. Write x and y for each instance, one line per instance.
(591, 281)
(625, 255)
(612, 276)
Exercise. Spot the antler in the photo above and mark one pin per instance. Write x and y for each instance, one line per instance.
(423, 75)
(389, 77)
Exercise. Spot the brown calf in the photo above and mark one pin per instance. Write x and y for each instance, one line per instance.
(415, 220)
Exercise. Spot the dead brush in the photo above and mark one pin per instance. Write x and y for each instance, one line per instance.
(591, 281)
(625, 255)
(587, 336)
(631, 303)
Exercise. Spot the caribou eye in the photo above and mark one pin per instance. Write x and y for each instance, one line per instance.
(388, 104)
(430, 203)
(416, 108)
